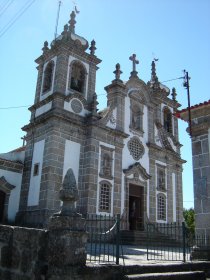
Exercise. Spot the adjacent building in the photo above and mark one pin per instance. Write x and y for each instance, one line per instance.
(200, 126)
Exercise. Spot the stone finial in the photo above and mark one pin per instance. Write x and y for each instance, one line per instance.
(45, 48)
(154, 79)
(92, 47)
(173, 94)
(65, 29)
(153, 74)
(134, 62)
(69, 194)
(117, 72)
(72, 22)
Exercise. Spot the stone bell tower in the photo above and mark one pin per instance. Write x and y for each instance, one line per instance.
(65, 97)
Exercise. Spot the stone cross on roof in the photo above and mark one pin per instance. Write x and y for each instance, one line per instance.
(135, 61)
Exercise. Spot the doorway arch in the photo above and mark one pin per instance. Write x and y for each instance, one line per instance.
(5, 191)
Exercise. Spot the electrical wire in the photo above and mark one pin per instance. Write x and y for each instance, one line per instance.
(16, 17)
(6, 7)
(173, 80)
(14, 107)
(3, 5)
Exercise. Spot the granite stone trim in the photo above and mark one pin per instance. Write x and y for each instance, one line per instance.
(11, 165)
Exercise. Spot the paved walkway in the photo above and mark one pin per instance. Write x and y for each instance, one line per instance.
(134, 255)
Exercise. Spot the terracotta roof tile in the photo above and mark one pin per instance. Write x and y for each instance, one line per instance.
(196, 106)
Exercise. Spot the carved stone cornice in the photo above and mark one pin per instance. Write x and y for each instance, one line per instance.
(157, 149)
(137, 168)
(200, 129)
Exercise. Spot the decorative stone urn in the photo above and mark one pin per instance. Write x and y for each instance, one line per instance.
(67, 236)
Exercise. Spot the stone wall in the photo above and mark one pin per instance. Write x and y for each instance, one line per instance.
(22, 253)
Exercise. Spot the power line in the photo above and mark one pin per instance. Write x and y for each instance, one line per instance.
(6, 7)
(14, 107)
(16, 17)
(57, 18)
(172, 80)
(3, 5)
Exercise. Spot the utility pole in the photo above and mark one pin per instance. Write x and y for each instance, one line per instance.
(187, 86)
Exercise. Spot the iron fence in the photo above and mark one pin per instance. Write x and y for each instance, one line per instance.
(103, 238)
(173, 242)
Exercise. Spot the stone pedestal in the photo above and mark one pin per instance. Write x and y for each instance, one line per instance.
(67, 240)
(67, 236)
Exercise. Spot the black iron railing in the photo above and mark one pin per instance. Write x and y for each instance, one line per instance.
(103, 238)
(173, 242)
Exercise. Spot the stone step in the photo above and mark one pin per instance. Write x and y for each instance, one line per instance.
(184, 275)
(140, 238)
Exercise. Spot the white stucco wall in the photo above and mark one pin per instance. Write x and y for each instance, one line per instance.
(34, 188)
(14, 156)
(102, 179)
(157, 192)
(174, 196)
(157, 138)
(14, 179)
(112, 121)
(45, 95)
(71, 158)
(67, 107)
(43, 109)
(127, 158)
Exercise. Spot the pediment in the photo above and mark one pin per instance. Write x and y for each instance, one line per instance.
(137, 170)
(138, 90)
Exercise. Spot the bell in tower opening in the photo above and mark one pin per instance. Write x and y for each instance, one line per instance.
(77, 77)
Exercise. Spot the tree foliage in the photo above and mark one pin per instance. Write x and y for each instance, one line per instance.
(189, 217)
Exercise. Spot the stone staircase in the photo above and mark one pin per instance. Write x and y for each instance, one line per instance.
(185, 275)
(181, 271)
(134, 237)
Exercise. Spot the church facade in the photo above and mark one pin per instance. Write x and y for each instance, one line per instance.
(125, 158)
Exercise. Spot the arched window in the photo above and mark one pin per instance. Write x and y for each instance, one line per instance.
(105, 197)
(77, 74)
(136, 117)
(167, 120)
(161, 207)
(48, 76)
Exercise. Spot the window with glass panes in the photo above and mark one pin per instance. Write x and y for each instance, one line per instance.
(105, 197)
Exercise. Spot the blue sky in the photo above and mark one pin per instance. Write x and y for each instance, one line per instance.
(175, 31)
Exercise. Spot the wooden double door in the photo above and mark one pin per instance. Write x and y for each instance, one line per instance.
(136, 207)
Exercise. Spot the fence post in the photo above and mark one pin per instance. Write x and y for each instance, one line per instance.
(147, 241)
(184, 241)
(118, 239)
